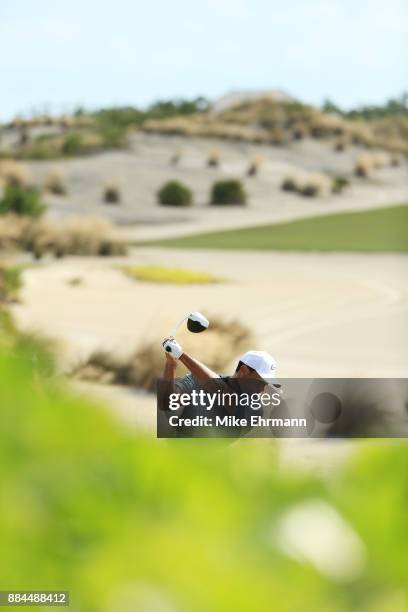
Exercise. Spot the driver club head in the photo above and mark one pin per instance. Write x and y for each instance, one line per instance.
(197, 323)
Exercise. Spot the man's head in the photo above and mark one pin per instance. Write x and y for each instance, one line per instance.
(256, 365)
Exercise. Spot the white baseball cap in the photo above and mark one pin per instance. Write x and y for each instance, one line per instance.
(263, 363)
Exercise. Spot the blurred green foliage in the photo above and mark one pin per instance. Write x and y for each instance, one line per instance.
(161, 109)
(22, 201)
(394, 107)
(72, 144)
(127, 522)
(228, 192)
(10, 282)
(174, 193)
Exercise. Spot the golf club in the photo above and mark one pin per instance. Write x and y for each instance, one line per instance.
(196, 323)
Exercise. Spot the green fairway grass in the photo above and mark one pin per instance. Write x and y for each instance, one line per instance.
(380, 230)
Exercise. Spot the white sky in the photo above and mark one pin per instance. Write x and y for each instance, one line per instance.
(55, 54)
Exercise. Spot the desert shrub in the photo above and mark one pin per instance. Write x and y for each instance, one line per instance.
(55, 182)
(214, 159)
(217, 347)
(73, 236)
(315, 185)
(113, 136)
(299, 132)
(22, 202)
(380, 160)
(290, 183)
(10, 283)
(174, 276)
(102, 367)
(340, 145)
(339, 183)
(43, 147)
(228, 192)
(175, 193)
(395, 160)
(12, 231)
(278, 137)
(254, 166)
(72, 144)
(13, 173)
(363, 165)
(111, 193)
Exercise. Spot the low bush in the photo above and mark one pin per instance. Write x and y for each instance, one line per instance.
(214, 159)
(111, 193)
(363, 165)
(10, 283)
(315, 185)
(278, 137)
(340, 145)
(175, 193)
(299, 132)
(112, 136)
(339, 183)
(21, 201)
(13, 173)
(290, 183)
(12, 231)
(55, 182)
(72, 144)
(254, 166)
(73, 236)
(380, 160)
(228, 192)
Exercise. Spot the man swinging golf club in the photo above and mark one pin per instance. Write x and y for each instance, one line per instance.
(255, 369)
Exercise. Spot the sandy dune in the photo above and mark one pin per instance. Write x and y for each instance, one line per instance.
(319, 314)
(145, 167)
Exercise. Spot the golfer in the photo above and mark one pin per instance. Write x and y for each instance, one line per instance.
(255, 369)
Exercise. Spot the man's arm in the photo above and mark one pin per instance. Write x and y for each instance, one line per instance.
(198, 369)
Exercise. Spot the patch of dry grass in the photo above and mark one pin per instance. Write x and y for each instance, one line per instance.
(267, 121)
(315, 185)
(214, 159)
(218, 347)
(55, 182)
(363, 165)
(255, 166)
(112, 193)
(72, 236)
(13, 173)
(310, 185)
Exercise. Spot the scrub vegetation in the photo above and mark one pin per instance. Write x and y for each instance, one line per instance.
(175, 193)
(221, 344)
(71, 236)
